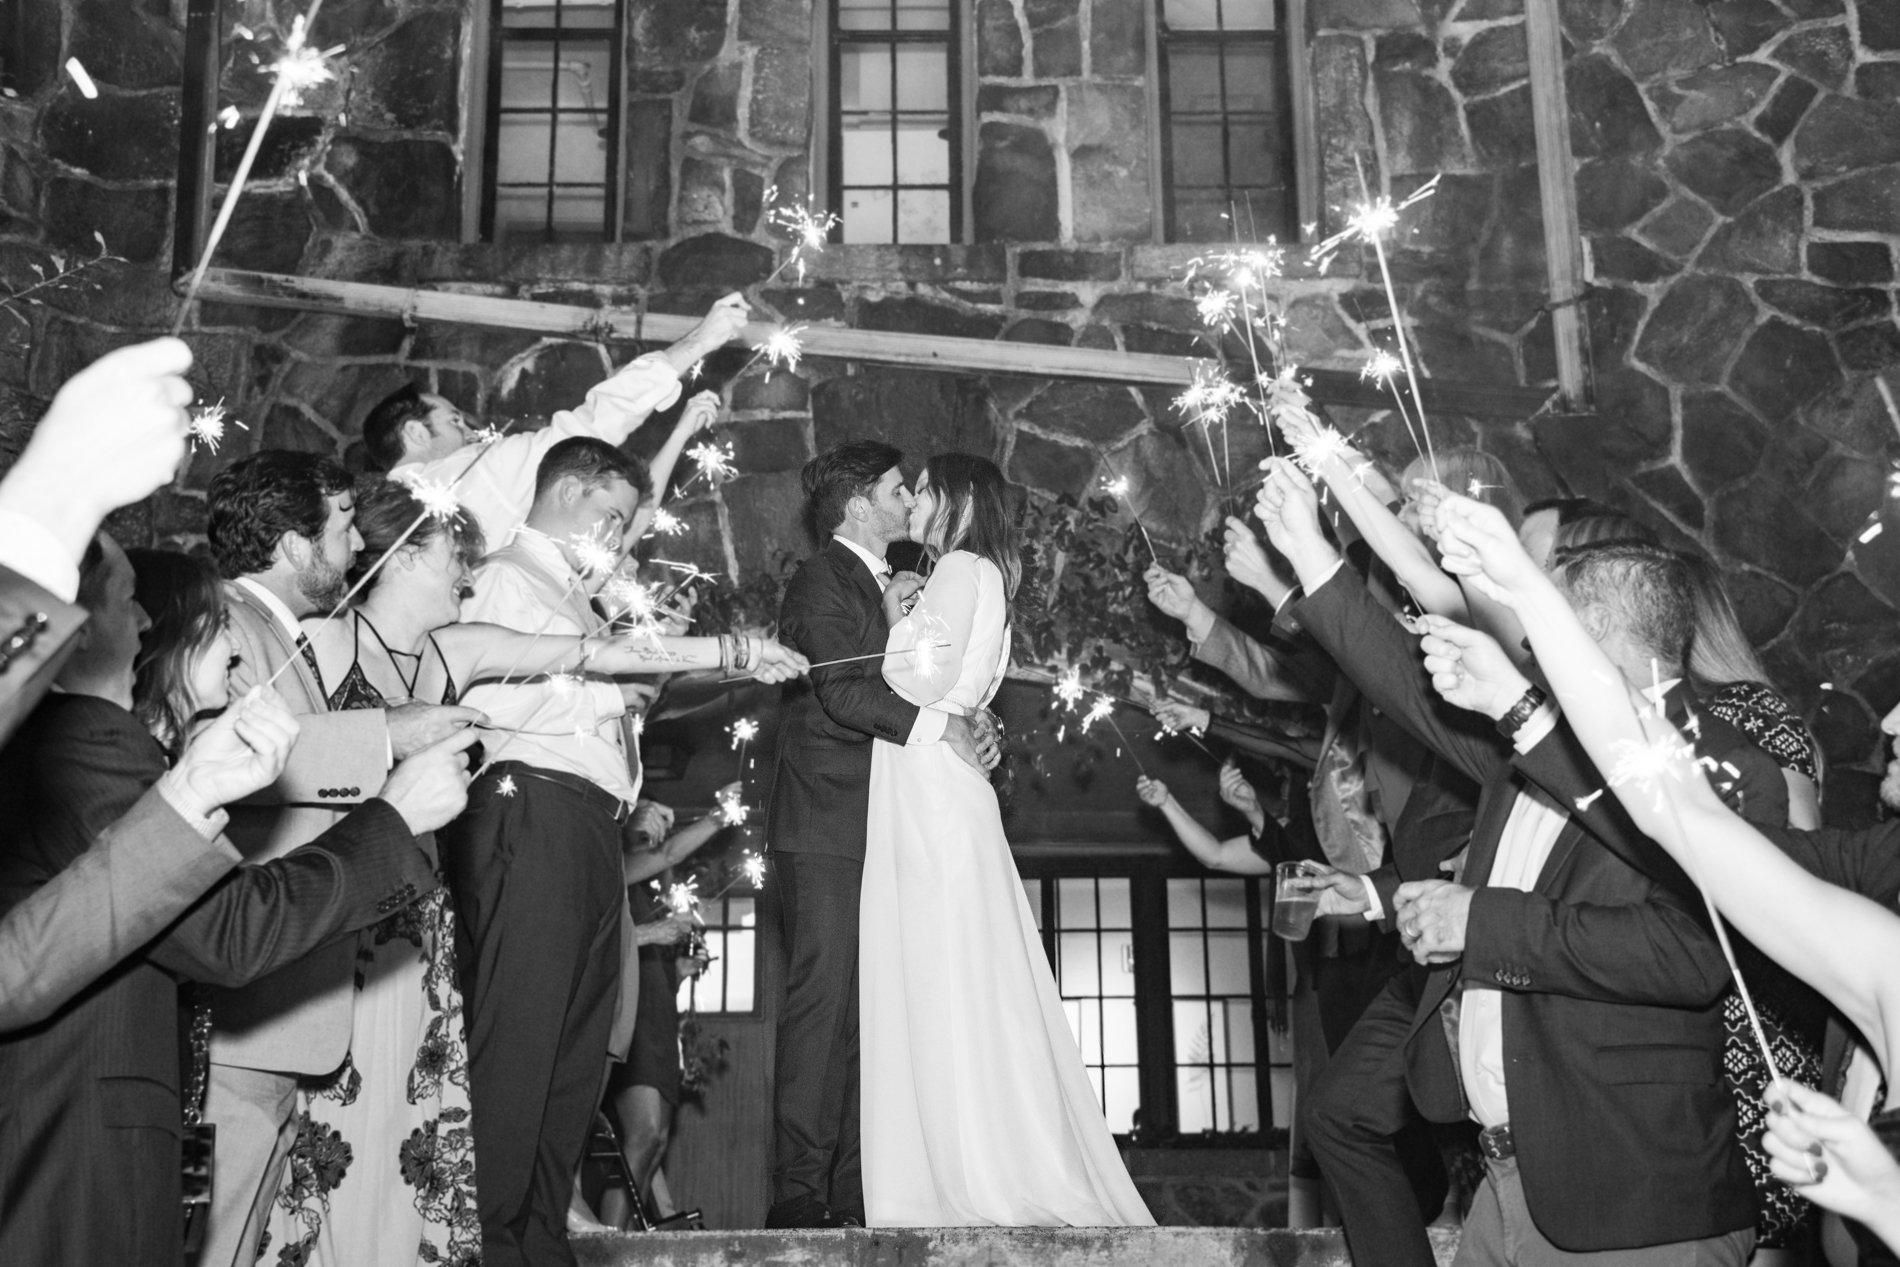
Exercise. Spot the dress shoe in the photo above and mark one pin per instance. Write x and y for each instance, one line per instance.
(850, 1216)
(804, 1210)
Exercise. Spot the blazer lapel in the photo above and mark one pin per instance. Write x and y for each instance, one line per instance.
(265, 625)
(847, 558)
(1494, 814)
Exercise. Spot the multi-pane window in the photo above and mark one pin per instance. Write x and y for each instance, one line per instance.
(1226, 128)
(896, 169)
(553, 130)
(1092, 934)
(730, 982)
(1213, 929)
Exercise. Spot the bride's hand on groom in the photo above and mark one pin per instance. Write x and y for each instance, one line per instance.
(898, 595)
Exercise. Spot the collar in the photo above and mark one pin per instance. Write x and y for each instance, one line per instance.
(879, 567)
(546, 552)
(273, 604)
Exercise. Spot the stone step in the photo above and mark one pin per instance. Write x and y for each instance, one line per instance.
(983, 1247)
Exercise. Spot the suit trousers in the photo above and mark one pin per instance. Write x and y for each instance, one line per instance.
(1371, 1143)
(538, 888)
(817, 1150)
(1499, 1233)
(255, 1113)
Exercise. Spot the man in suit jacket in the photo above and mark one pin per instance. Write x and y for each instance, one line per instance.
(89, 1131)
(281, 527)
(815, 824)
(1584, 1030)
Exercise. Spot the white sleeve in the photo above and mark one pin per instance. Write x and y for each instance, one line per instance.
(615, 408)
(30, 549)
(924, 656)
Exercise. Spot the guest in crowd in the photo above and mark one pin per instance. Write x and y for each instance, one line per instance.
(418, 435)
(281, 527)
(97, 1100)
(116, 431)
(535, 865)
(1821, 903)
(1240, 855)
(1550, 950)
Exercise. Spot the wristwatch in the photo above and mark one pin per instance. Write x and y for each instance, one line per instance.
(1522, 711)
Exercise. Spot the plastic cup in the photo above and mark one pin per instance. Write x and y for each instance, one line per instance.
(1296, 890)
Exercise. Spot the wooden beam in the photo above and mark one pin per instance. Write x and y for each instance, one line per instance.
(1557, 191)
(919, 351)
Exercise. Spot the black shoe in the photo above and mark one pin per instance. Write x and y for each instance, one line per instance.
(851, 1216)
(804, 1210)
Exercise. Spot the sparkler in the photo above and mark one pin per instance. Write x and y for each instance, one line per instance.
(1118, 489)
(752, 867)
(1210, 397)
(87, 89)
(743, 732)
(683, 899)
(1383, 367)
(714, 462)
(667, 524)
(1103, 709)
(809, 231)
(1069, 689)
(1193, 735)
(1370, 223)
(1312, 452)
(506, 786)
(733, 811)
(208, 423)
(297, 71)
(779, 350)
(1647, 764)
(594, 551)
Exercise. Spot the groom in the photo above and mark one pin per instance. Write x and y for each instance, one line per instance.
(815, 826)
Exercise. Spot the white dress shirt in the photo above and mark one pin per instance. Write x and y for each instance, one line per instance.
(29, 548)
(1529, 835)
(575, 723)
(931, 722)
(499, 488)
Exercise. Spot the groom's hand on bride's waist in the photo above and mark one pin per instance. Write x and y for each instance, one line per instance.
(974, 738)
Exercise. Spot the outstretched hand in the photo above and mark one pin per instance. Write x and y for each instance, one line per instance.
(1247, 563)
(700, 411)
(1470, 669)
(1178, 716)
(1832, 1158)
(1288, 506)
(1478, 542)
(1171, 592)
(722, 321)
(1151, 791)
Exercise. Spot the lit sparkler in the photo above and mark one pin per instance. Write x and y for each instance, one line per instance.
(1216, 307)
(506, 787)
(294, 73)
(715, 462)
(438, 501)
(683, 898)
(743, 732)
(1313, 450)
(752, 867)
(733, 811)
(668, 524)
(809, 231)
(1118, 489)
(781, 347)
(1069, 689)
(208, 423)
(595, 555)
(87, 89)
(1103, 709)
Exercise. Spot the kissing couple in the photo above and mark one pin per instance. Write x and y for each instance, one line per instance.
(926, 1073)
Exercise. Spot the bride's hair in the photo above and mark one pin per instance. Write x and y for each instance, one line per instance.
(972, 513)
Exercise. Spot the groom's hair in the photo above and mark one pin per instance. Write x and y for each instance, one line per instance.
(842, 472)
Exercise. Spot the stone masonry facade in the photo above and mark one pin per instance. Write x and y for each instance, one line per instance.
(1738, 181)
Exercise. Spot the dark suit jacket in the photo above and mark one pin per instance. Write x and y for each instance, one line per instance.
(1612, 987)
(90, 1112)
(36, 636)
(821, 795)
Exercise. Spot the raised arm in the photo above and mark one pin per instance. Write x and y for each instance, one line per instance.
(615, 408)
(1837, 941)
(696, 417)
(1234, 855)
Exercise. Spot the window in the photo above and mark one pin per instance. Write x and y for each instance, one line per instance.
(730, 982)
(1226, 125)
(1219, 1013)
(1092, 931)
(895, 152)
(553, 133)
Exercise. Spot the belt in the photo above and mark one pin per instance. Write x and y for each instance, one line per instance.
(1497, 1144)
(600, 798)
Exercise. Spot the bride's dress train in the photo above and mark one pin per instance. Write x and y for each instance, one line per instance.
(976, 1106)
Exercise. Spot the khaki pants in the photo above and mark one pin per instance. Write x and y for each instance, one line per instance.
(1499, 1233)
(255, 1111)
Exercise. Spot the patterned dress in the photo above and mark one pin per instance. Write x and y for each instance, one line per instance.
(1792, 1016)
(383, 1170)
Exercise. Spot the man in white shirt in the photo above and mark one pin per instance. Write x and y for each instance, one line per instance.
(420, 436)
(1574, 1006)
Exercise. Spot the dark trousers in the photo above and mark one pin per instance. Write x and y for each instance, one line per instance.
(536, 879)
(816, 1154)
(1373, 1147)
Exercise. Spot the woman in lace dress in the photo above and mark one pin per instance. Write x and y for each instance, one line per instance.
(976, 1107)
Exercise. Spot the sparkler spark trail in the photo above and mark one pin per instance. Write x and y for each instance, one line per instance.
(87, 89)
(743, 732)
(752, 867)
(1103, 709)
(683, 898)
(596, 556)
(715, 462)
(1069, 689)
(1118, 489)
(298, 70)
(1325, 445)
(809, 231)
(668, 524)
(732, 810)
(208, 423)
(506, 786)
(438, 501)
(782, 347)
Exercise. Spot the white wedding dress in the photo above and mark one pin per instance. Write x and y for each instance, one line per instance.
(976, 1106)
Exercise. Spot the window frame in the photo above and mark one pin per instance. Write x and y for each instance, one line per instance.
(724, 929)
(959, 111)
(491, 110)
(1294, 109)
(1154, 987)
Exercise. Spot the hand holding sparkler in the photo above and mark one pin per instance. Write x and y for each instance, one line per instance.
(1237, 792)
(1469, 668)
(1289, 509)
(900, 596)
(1175, 596)
(1834, 1159)
(1247, 562)
(1178, 718)
(1478, 543)
(720, 326)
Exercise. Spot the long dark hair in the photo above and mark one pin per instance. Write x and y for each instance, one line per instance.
(384, 510)
(182, 596)
(972, 514)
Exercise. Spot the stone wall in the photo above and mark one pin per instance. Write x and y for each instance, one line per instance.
(1737, 172)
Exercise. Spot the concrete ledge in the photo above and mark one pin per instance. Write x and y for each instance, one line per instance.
(982, 1247)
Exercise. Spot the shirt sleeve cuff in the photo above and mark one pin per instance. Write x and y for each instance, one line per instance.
(208, 823)
(1375, 910)
(1537, 729)
(929, 726)
(1329, 574)
(35, 553)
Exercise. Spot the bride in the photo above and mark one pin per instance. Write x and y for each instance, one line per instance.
(976, 1106)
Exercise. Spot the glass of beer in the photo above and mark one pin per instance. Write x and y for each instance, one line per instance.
(1296, 890)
